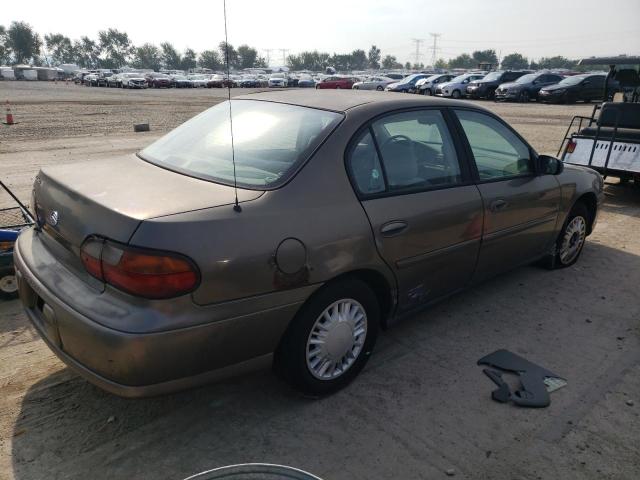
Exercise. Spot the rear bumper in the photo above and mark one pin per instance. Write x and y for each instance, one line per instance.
(137, 364)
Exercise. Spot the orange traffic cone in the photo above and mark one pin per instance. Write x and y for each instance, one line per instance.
(9, 115)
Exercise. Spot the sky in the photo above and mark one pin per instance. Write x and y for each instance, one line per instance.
(573, 28)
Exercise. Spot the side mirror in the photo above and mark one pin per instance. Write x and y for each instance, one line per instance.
(547, 165)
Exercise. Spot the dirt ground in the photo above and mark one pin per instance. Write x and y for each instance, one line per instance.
(420, 410)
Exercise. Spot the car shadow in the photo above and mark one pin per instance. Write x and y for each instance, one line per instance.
(623, 199)
(66, 426)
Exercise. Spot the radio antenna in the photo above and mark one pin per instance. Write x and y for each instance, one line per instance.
(236, 205)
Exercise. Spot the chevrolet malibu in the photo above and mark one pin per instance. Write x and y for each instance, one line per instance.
(330, 215)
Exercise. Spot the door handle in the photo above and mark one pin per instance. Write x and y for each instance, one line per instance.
(498, 205)
(393, 228)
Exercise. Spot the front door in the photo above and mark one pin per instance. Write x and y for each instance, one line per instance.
(520, 206)
(425, 214)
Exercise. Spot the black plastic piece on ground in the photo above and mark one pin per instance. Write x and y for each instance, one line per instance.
(502, 393)
(533, 391)
(141, 127)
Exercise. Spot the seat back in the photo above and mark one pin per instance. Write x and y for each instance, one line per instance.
(624, 115)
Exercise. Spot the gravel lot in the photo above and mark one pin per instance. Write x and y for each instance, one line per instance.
(420, 408)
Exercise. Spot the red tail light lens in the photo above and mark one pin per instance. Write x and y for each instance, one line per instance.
(571, 146)
(140, 272)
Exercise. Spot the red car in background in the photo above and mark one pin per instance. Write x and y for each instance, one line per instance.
(159, 80)
(336, 83)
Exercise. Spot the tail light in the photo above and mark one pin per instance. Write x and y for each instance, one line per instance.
(141, 272)
(571, 146)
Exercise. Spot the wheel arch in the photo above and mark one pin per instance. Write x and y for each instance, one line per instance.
(590, 201)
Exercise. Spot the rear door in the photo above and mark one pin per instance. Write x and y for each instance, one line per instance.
(520, 207)
(425, 211)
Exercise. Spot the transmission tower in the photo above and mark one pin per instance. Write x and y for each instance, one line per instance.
(268, 51)
(418, 42)
(434, 47)
(284, 55)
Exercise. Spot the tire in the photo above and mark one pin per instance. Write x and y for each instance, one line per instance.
(491, 94)
(309, 324)
(524, 97)
(571, 239)
(427, 92)
(8, 284)
(379, 88)
(337, 87)
(456, 94)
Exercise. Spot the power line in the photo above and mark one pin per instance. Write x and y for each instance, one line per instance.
(434, 47)
(418, 42)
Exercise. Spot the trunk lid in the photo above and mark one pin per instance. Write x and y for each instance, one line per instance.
(110, 198)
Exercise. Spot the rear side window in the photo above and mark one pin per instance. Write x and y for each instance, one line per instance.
(414, 152)
(497, 151)
(270, 140)
(365, 167)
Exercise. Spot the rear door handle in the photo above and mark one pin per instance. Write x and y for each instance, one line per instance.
(393, 228)
(498, 205)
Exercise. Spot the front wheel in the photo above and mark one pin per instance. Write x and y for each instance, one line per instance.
(427, 91)
(571, 239)
(331, 338)
(524, 97)
(8, 284)
(456, 94)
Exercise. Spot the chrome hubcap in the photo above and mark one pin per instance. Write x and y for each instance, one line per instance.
(336, 339)
(573, 239)
(8, 284)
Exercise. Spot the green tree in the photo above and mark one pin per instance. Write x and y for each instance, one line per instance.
(557, 62)
(228, 49)
(188, 59)
(116, 48)
(407, 66)
(247, 56)
(389, 62)
(4, 49)
(60, 48)
(147, 56)
(87, 52)
(358, 60)
(485, 56)
(374, 56)
(171, 59)
(210, 59)
(23, 42)
(514, 61)
(463, 60)
(441, 63)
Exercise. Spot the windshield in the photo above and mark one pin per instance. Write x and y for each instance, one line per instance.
(460, 78)
(530, 77)
(492, 76)
(572, 80)
(432, 78)
(270, 140)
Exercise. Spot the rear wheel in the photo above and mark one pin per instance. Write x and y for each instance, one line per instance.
(329, 341)
(379, 88)
(571, 239)
(456, 94)
(8, 284)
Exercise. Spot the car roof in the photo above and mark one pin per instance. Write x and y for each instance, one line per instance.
(343, 100)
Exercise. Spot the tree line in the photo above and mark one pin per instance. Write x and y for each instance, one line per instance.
(114, 49)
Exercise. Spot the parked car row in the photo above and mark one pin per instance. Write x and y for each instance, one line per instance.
(504, 85)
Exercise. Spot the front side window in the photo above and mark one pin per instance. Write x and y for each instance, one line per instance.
(270, 140)
(497, 151)
(417, 150)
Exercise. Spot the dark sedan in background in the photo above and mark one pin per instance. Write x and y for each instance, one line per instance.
(486, 87)
(526, 88)
(407, 84)
(585, 88)
(149, 273)
(158, 80)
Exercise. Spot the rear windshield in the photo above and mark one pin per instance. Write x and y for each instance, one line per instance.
(270, 140)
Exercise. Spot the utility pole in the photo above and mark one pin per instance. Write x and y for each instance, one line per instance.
(418, 42)
(284, 55)
(434, 47)
(268, 50)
